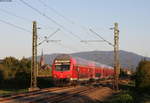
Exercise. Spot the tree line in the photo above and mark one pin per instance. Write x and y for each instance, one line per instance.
(16, 74)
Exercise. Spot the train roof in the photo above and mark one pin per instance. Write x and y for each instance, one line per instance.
(81, 61)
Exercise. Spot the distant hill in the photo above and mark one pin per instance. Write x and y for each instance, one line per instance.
(127, 59)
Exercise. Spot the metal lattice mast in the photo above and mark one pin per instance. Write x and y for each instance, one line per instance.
(34, 59)
(116, 56)
(116, 52)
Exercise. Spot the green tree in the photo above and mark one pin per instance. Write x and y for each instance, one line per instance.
(4, 72)
(15, 73)
(10, 61)
(143, 76)
(24, 65)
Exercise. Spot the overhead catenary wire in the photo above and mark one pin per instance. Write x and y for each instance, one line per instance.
(43, 14)
(74, 48)
(101, 37)
(13, 25)
(67, 47)
(64, 17)
(55, 11)
(46, 38)
(13, 14)
(86, 41)
(20, 17)
(52, 20)
(49, 18)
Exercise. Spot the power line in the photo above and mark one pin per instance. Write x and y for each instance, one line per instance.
(53, 33)
(67, 47)
(46, 38)
(72, 22)
(13, 25)
(20, 17)
(49, 18)
(55, 11)
(64, 17)
(101, 37)
(43, 14)
(13, 14)
(86, 41)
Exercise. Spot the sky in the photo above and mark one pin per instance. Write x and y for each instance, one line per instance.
(73, 18)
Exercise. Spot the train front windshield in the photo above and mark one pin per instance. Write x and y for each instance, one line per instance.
(62, 67)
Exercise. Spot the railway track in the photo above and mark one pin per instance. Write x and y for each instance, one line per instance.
(8, 98)
(70, 95)
(49, 95)
(61, 96)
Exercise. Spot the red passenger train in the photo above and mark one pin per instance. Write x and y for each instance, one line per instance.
(70, 69)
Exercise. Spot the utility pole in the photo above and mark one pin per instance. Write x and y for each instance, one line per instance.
(116, 53)
(34, 64)
(116, 57)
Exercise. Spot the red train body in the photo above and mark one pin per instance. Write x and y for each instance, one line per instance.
(69, 68)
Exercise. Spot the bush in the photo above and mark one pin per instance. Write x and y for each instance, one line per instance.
(125, 98)
(22, 80)
(44, 82)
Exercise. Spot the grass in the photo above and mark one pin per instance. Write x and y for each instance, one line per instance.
(122, 96)
(11, 91)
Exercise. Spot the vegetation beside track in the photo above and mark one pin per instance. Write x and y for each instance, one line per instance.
(129, 96)
(15, 76)
(136, 91)
(11, 91)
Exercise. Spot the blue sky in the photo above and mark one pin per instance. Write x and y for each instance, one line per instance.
(132, 15)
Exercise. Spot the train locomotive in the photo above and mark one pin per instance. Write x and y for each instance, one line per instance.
(67, 69)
